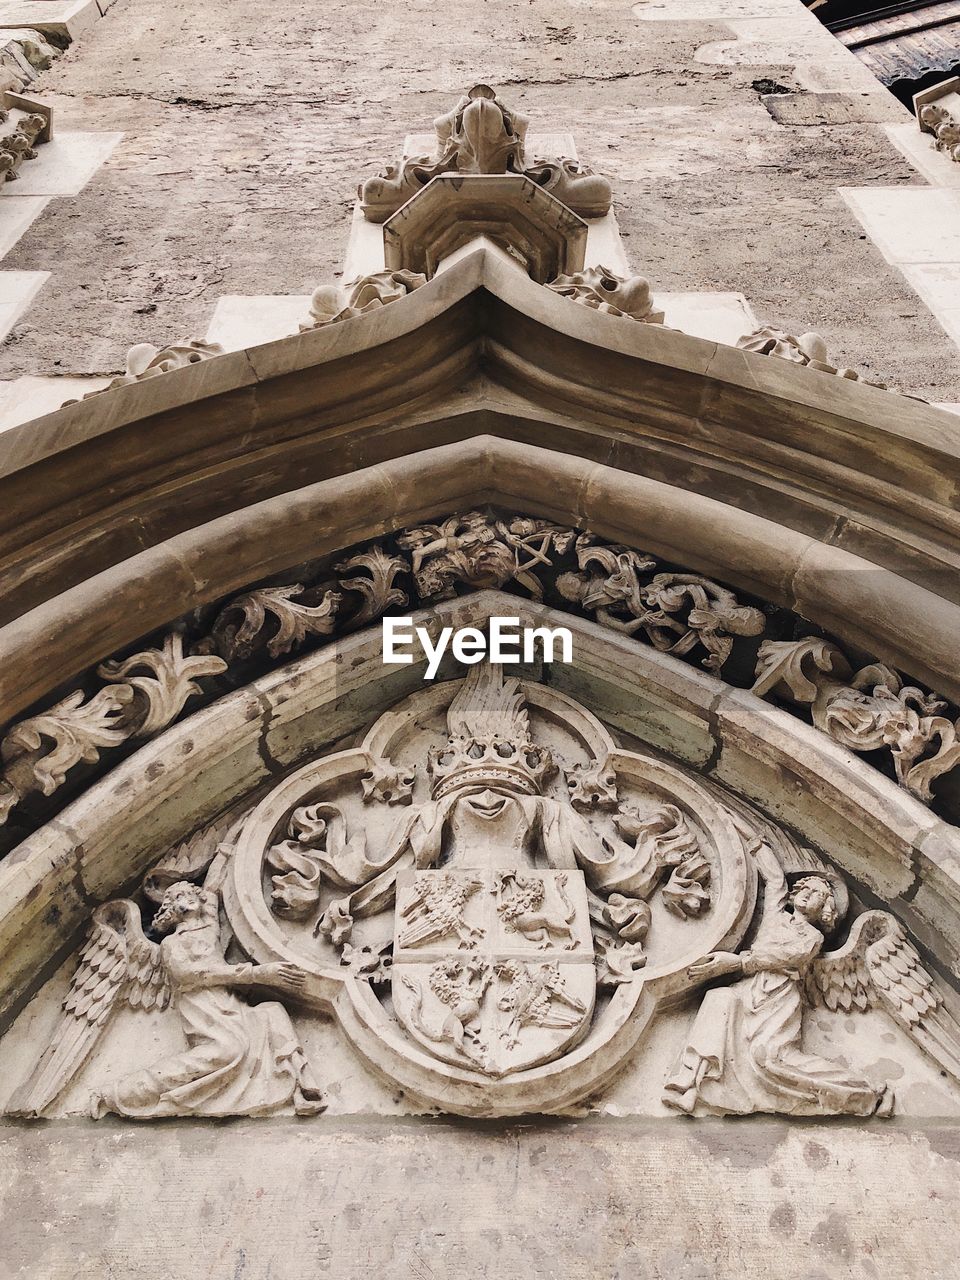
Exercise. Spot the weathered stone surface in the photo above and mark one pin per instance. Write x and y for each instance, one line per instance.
(614, 1198)
(631, 90)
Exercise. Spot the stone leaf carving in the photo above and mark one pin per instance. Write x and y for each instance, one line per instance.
(162, 694)
(482, 135)
(147, 361)
(604, 290)
(240, 627)
(132, 706)
(867, 710)
(240, 1059)
(331, 303)
(38, 752)
(945, 128)
(745, 1052)
(677, 612)
(808, 349)
(378, 590)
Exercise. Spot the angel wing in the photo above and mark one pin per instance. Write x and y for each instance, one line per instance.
(118, 965)
(878, 968)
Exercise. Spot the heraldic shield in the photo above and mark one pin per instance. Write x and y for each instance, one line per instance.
(494, 969)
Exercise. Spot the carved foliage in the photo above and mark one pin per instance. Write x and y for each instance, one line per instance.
(867, 710)
(241, 627)
(19, 143)
(684, 614)
(331, 303)
(945, 128)
(147, 361)
(172, 680)
(808, 349)
(38, 753)
(603, 290)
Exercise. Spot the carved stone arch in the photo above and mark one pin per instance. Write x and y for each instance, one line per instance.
(831, 496)
(480, 389)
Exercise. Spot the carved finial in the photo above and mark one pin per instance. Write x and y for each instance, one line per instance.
(482, 135)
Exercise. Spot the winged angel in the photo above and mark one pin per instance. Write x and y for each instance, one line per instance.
(745, 1052)
(240, 1058)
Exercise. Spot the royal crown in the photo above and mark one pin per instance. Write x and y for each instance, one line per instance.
(489, 741)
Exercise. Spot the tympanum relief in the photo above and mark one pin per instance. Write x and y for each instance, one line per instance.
(493, 904)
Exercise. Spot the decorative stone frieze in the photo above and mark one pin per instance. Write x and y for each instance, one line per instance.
(676, 612)
(684, 614)
(604, 290)
(483, 136)
(330, 302)
(494, 934)
(866, 710)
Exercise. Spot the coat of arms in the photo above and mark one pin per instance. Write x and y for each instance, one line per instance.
(489, 891)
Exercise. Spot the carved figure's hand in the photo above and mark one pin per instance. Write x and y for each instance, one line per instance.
(286, 977)
(716, 965)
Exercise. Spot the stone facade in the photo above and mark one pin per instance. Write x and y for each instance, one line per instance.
(636, 954)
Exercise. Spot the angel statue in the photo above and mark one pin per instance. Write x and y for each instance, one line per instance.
(240, 1058)
(745, 1052)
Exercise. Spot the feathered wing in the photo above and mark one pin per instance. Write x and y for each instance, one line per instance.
(118, 965)
(878, 968)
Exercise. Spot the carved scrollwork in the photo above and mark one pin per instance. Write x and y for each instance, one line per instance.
(628, 590)
(603, 290)
(39, 752)
(147, 361)
(163, 693)
(331, 303)
(378, 589)
(808, 349)
(241, 627)
(866, 710)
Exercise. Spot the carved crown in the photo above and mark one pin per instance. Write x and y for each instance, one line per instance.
(489, 741)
